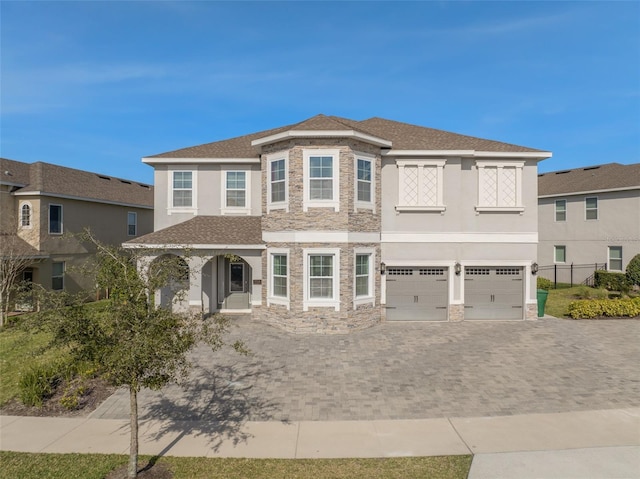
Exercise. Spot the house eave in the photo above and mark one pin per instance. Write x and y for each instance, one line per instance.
(200, 161)
(164, 246)
(589, 192)
(374, 140)
(81, 198)
(530, 155)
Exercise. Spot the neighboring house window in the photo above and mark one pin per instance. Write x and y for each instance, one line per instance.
(236, 192)
(560, 254)
(55, 219)
(132, 223)
(421, 185)
(25, 215)
(561, 210)
(321, 287)
(321, 179)
(615, 258)
(182, 189)
(499, 186)
(591, 207)
(57, 276)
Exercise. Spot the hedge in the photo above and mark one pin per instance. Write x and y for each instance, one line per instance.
(611, 308)
(610, 281)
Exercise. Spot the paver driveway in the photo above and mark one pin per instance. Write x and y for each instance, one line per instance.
(407, 370)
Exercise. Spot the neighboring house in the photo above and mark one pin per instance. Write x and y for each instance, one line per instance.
(589, 215)
(43, 205)
(332, 224)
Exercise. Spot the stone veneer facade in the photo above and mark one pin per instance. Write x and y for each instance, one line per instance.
(348, 316)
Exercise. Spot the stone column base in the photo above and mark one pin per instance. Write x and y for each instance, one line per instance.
(532, 312)
(456, 312)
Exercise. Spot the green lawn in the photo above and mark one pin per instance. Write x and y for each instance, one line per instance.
(17, 465)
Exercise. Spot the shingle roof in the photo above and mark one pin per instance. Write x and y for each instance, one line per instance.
(403, 135)
(46, 178)
(591, 178)
(207, 230)
(14, 246)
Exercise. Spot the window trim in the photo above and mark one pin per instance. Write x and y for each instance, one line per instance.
(596, 209)
(61, 219)
(271, 298)
(272, 158)
(334, 202)
(361, 204)
(60, 276)
(555, 256)
(609, 248)
(555, 209)
(500, 166)
(135, 223)
(371, 296)
(421, 164)
(309, 302)
(194, 191)
(28, 205)
(235, 210)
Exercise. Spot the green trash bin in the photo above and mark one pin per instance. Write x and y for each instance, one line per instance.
(542, 301)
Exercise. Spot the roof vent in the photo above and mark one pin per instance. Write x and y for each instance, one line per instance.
(591, 168)
(125, 182)
(144, 186)
(562, 172)
(104, 177)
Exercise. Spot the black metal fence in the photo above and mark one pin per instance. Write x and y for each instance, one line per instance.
(571, 274)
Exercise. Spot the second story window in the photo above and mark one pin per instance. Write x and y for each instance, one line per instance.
(182, 189)
(132, 223)
(561, 210)
(499, 186)
(321, 179)
(420, 185)
(236, 187)
(25, 215)
(55, 219)
(591, 208)
(277, 181)
(365, 184)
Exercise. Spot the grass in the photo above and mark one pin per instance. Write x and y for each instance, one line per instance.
(559, 299)
(19, 465)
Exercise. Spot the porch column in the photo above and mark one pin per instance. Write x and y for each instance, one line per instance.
(196, 264)
(255, 262)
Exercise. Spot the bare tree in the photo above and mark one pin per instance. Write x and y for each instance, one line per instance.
(15, 256)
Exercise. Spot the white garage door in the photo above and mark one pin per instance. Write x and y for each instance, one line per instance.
(417, 294)
(493, 293)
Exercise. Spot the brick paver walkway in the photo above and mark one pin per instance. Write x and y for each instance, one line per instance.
(407, 370)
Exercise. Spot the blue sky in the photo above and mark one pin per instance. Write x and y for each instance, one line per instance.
(99, 85)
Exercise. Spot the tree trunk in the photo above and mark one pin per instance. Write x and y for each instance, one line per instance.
(133, 448)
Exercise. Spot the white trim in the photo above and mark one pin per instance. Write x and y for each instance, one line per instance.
(81, 198)
(198, 161)
(535, 155)
(525, 264)
(358, 204)
(271, 299)
(319, 237)
(497, 237)
(555, 246)
(555, 210)
(609, 268)
(374, 140)
(22, 204)
(597, 208)
(270, 159)
(590, 192)
(236, 210)
(421, 208)
(171, 209)
(334, 202)
(499, 205)
(419, 164)
(449, 264)
(230, 311)
(504, 209)
(194, 246)
(371, 297)
(334, 302)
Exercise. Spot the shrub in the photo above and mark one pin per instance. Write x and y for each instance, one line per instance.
(612, 308)
(38, 384)
(611, 281)
(586, 292)
(633, 271)
(75, 389)
(544, 283)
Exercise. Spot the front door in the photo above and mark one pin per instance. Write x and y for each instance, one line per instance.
(237, 295)
(236, 278)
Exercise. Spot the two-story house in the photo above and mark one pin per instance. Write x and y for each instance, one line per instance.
(43, 205)
(589, 216)
(333, 224)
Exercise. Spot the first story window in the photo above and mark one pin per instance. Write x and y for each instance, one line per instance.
(279, 275)
(615, 258)
(321, 276)
(55, 219)
(25, 215)
(363, 271)
(591, 208)
(561, 210)
(559, 254)
(57, 276)
(182, 187)
(132, 223)
(321, 268)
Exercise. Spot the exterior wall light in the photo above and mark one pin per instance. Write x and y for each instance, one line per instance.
(534, 268)
(458, 269)
(383, 268)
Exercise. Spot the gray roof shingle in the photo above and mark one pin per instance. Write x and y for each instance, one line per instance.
(403, 135)
(591, 178)
(46, 178)
(207, 230)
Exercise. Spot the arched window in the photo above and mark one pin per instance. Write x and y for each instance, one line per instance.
(25, 215)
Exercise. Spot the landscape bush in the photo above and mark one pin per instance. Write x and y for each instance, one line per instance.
(633, 271)
(544, 283)
(599, 308)
(38, 383)
(586, 292)
(611, 281)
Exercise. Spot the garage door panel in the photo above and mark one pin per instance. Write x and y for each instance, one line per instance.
(415, 293)
(494, 293)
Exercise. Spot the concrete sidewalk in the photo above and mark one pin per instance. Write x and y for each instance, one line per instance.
(597, 444)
